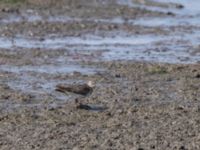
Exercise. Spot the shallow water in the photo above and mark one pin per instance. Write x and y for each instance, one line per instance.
(191, 7)
(181, 44)
(124, 46)
(173, 48)
(189, 15)
(32, 79)
(49, 69)
(168, 21)
(90, 40)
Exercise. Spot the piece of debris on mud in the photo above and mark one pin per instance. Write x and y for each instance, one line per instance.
(91, 107)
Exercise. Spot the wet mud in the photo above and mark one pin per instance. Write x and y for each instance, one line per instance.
(142, 55)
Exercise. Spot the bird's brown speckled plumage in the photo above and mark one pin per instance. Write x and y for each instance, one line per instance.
(82, 89)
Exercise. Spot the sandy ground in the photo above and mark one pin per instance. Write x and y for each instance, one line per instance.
(149, 105)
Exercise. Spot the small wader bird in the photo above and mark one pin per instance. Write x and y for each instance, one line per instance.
(80, 89)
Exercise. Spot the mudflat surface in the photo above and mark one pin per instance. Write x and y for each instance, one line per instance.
(143, 57)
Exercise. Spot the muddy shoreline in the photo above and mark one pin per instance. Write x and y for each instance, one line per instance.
(150, 106)
(147, 76)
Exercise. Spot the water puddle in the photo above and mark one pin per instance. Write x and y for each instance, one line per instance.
(61, 42)
(31, 18)
(16, 19)
(49, 69)
(41, 81)
(39, 87)
(167, 21)
(37, 18)
(149, 5)
(189, 15)
(174, 47)
(190, 7)
(176, 51)
(57, 42)
(170, 54)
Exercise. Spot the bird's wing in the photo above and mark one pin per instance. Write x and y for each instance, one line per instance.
(77, 89)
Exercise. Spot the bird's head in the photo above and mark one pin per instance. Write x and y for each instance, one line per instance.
(91, 84)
